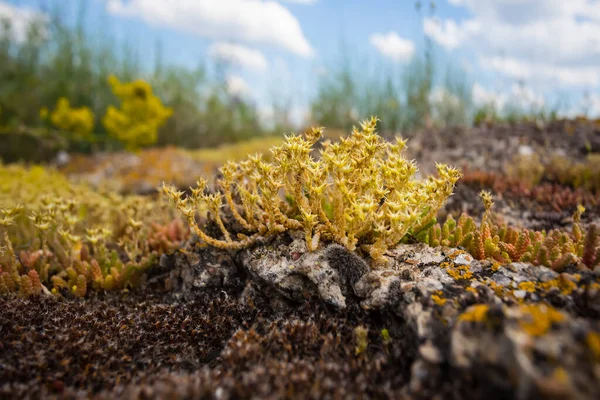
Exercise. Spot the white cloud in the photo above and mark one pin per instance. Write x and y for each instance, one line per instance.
(300, 1)
(249, 21)
(546, 73)
(393, 46)
(236, 85)
(588, 105)
(238, 55)
(20, 19)
(523, 97)
(547, 40)
(448, 33)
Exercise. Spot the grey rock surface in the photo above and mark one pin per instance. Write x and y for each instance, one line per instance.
(525, 330)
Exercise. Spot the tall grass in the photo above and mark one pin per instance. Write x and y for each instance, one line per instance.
(405, 98)
(58, 58)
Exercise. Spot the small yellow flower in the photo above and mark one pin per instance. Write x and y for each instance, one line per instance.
(44, 113)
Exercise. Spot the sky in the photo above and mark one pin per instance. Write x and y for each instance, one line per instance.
(538, 53)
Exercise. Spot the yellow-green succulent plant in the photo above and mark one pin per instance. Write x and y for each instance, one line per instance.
(360, 192)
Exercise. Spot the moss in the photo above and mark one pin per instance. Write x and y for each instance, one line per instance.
(361, 339)
(560, 375)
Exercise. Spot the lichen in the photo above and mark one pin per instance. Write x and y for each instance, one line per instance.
(438, 298)
(537, 319)
(592, 340)
(476, 313)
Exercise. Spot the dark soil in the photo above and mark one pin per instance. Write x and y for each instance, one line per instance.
(140, 346)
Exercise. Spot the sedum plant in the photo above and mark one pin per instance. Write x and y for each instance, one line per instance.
(61, 237)
(555, 249)
(360, 192)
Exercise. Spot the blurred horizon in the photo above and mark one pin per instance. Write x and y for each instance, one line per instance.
(234, 69)
(543, 53)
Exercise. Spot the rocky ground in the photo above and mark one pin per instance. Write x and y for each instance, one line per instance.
(276, 321)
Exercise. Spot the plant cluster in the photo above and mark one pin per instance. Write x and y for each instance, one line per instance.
(577, 174)
(556, 195)
(531, 170)
(555, 249)
(68, 238)
(76, 121)
(360, 192)
(141, 113)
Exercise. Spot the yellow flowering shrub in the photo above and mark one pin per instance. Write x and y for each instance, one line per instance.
(78, 122)
(359, 192)
(141, 113)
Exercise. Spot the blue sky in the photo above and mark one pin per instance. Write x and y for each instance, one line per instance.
(534, 53)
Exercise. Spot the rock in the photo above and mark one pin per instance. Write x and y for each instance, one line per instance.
(520, 330)
(297, 274)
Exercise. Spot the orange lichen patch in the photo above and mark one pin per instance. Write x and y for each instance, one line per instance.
(527, 286)
(457, 272)
(539, 318)
(565, 285)
(471, 289)
(593, 342)
(560, 375)
(476, 313)
(438, 298)
(496, 266)
(455, 254)
(498, 289)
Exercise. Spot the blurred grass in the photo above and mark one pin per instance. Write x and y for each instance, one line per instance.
(63, 58)
(404, 98)
(60, 59)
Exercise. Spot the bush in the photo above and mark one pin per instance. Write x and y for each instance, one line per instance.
(141, 113)
(360, 193)
(78, 122)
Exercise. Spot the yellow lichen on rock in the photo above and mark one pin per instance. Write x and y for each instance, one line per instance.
(593, 343)
(476, 313)
(537, 319)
